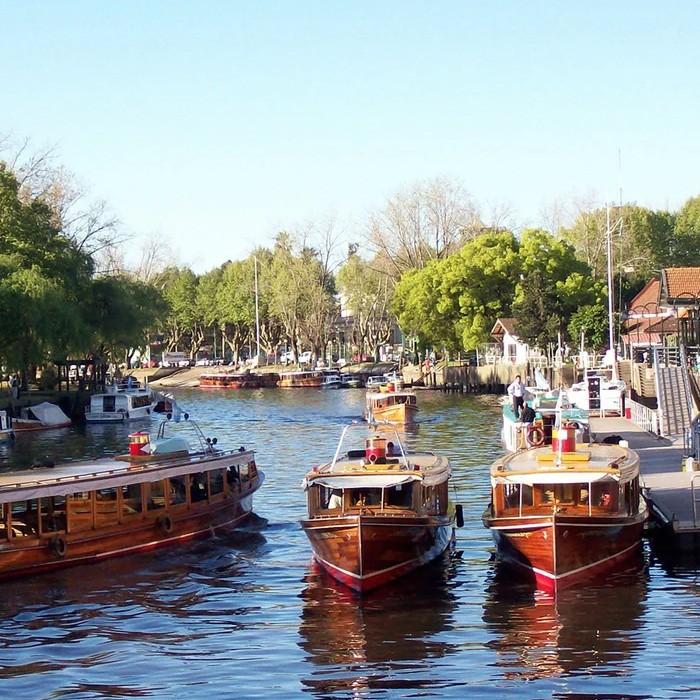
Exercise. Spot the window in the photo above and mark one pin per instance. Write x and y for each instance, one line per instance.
(178, 490)
(199, 488)
(365, 498)
(131, 500)
(399, 496)
(155, 495)
(24, 519)
(53, 514)
(216, 482)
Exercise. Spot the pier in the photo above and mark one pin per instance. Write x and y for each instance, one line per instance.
(668, 487)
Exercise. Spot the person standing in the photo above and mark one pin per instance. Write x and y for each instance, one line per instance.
(517, 393)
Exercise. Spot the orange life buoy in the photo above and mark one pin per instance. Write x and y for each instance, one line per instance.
(535, 436)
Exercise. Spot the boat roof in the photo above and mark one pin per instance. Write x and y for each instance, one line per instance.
(88, 475)
(541, 465)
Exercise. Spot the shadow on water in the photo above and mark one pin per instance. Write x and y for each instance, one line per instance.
(585, 629)
(385, 640)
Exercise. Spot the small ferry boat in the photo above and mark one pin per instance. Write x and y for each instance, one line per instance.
(391, 405)
(300, 379)
(566, 512)
(161, 493)
(42, 416)
(376, 513)
(120, 404)
(229, 380)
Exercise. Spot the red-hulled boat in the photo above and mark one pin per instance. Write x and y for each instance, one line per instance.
(229, 380)
(566, 512)
(379, 512)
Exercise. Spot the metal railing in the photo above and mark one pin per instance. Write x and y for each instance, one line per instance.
(694, 497)
(647, 418)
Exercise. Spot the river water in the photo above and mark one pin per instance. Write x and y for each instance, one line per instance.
(248, 616)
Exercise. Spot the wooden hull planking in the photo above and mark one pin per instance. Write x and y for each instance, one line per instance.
(398, 413)
(364, 552)
(560, 551)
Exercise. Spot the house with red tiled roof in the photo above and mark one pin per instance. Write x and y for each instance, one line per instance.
(660, 307)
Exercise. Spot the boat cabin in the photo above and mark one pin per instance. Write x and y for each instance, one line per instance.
(380, 480)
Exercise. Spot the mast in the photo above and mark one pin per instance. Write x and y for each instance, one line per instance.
(611, 297)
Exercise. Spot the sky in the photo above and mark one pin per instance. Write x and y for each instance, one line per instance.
(213, 125)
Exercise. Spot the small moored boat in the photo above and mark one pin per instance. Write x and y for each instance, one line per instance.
(566, 512)
(391, 405)
(377, 513)
(229, 380)
(300, 379)
(160, 493)
(120, 404)
(42, 416)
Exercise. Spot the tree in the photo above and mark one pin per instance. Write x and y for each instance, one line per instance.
(426, 222)
(235, 304)
(685, 246)
(591, 322)
(367, 292)
(552, 286)
(179, 289)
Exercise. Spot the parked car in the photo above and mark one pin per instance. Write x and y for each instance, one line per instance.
(305, 357)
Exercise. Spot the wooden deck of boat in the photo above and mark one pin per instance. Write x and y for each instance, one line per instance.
(661, 469)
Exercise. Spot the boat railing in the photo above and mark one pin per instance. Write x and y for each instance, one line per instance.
(372, 425)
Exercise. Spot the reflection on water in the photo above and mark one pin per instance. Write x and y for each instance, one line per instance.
(385, 640)
(245, 616)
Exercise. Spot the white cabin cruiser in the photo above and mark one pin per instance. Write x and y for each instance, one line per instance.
(120, 405)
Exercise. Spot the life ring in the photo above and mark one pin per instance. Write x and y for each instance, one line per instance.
(165, 523)
(535, 436)
(58, 546)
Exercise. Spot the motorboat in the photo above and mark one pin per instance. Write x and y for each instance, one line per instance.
(566, 511)
(391, 405)
(332, 379)
(378, 512)
(598, 393)
(161, 493)
(42, 416)
(120, 404)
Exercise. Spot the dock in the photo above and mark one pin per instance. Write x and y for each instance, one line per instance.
(669, 489)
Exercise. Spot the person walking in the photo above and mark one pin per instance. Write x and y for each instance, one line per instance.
(517, 393)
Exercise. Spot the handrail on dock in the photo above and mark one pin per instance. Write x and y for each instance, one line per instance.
(694, 497)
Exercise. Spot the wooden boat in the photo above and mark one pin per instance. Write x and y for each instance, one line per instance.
(300, 379)
(377, 513)
(161, 493)
(120, 405)
(229, 380)
(566, 512)
(42, 416)
(392, 405)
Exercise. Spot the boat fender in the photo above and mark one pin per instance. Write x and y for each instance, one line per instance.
(459, 513)
(12, 435)
(535, 436)
(165, 523)
(58, 546)
(126, 415)
(148, 411)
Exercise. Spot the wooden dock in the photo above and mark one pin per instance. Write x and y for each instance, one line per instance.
(668, 487)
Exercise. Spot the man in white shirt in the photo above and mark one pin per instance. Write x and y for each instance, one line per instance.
(517, 392)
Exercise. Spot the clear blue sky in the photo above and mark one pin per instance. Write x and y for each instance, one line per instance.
(219, 123)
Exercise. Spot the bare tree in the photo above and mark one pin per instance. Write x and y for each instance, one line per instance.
(425, 222)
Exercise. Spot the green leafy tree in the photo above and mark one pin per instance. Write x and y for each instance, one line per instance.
(685, 248)
(591, 322)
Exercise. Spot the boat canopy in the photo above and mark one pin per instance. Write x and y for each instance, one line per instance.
(363, 481)
(557, 477)
(49, 414)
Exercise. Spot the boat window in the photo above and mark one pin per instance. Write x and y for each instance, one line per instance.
(604, 496)
(155, 495)
(24, 519)
(108, 404)
(53, 514)
(106, 507)
(399, 496)
(216, 482)
(140, 401)
(244, 472)
(177, 494)
(131, 500)
(365, 497)
(79, 507)
(332, 499)
(233, 477)
(199, 488)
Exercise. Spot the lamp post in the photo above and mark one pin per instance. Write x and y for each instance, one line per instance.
(611, 291)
